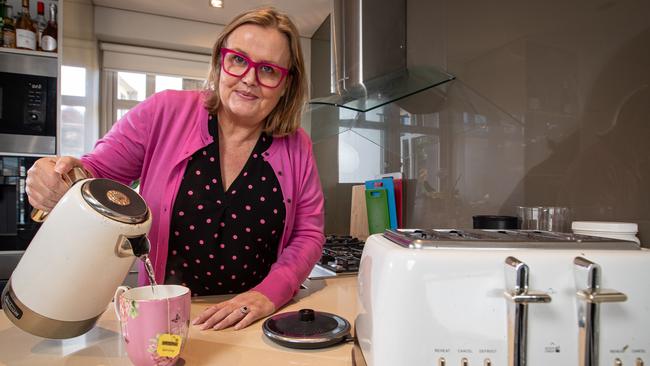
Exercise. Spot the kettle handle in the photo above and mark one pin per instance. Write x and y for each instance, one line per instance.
(116, 300)
(70, 178)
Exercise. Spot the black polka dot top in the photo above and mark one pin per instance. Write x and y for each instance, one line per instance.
(225, 241)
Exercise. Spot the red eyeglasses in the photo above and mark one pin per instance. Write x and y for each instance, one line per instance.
(236, 64)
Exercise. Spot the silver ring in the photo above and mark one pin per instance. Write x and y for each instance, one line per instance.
(244, 310)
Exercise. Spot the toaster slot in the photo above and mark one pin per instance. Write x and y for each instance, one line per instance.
(590, 296)
(519, 296)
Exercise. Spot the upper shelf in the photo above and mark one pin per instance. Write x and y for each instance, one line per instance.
(29, 52)
(387, 89)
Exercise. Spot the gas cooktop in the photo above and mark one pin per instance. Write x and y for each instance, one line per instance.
(341, 256)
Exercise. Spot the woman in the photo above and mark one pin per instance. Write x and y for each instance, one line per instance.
(227, 172)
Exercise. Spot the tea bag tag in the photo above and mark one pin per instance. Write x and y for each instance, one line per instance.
(169, 345)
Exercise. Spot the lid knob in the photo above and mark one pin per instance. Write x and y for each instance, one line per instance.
(307, 315)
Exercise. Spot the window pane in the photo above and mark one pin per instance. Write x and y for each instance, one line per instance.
(168, 82)
(121, 113)
(72, 130)
(193, 84)
(73, 81)
(131, 86)
(359, 156)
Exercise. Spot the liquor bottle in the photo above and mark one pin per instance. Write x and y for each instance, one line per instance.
(41, 23)
(8, 29)
(25, 29)
(50, 33)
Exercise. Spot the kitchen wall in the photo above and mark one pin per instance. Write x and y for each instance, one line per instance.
(551, 106)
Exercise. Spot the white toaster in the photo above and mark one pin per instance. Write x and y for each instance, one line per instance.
(496, 298)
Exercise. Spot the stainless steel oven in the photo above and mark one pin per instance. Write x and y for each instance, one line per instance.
(16, 227)
(28, 112)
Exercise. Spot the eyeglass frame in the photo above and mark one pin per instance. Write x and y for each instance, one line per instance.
(251, 64)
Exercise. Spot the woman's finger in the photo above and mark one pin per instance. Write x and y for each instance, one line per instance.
(206, 314)
(246, 321)
(216, 318)
(235, 316)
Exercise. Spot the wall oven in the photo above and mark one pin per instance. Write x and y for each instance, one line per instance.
(16, 227)
(28, 110)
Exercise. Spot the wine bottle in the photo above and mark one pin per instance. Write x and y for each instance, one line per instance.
(25, 29)
(8, 29)
(50, 33)
(41, 23)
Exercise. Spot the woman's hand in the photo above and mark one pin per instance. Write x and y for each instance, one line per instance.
(44, 184)
(242, 310)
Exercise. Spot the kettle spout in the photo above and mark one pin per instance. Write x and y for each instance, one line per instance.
(133, 246)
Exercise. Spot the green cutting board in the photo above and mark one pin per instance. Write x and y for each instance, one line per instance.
(377, 206)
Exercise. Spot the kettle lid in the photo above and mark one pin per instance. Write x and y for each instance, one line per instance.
(115, 201)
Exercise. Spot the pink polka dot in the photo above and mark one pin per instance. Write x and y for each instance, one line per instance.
(185, 265)
(234, 236)
(172, 272)
(191, 227)
(248, 207)
(221, 267)
(234, 257)
(243, 283)
(208, 220)
(247, 247)
(256, 256)
(275, 189)
(198, 261)
(272, 231)
(222, 224)
(211, 256)
(204, 153)
(233, 191)
(275, 210)
(181, 213)
(206, 287)
(245, 174)
(254, 272)
(189, 193)
(216, 235)
(245, 266)
(200, 207)
(219, 201)
(174, 252)
(248, 230)
(234, 216)
(222, 245)
(187, 247)
(219, 283)
(262, 198)
(207, 187)
(176, 233)
(262, 221)
(255, 155)
(263, 178)
(212, 158)
(214, 180)
(250, 186)
(259, 240)
(208, 273)
(233, 277)
(201, 242)
(198, 172)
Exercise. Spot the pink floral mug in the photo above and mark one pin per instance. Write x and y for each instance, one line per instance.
(154, 322)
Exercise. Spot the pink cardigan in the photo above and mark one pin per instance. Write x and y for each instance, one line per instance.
(154, 141)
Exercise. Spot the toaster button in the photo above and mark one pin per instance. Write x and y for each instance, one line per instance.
(639, 362)
(618, 362)
(487, 362)
(442, 361)
(464, 362)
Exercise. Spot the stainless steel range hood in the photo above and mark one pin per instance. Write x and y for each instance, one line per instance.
(368, 50)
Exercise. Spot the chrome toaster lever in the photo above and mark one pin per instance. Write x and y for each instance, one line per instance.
(519, 297)
(590, 296)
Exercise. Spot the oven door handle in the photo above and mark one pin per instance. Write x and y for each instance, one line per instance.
(518, 296)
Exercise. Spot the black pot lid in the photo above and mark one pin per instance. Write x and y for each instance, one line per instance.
(306, 329)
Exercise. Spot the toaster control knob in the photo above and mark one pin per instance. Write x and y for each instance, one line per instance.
(464, 362)
(639, 362)
(487, 362)
(442, 361)
(618, 362)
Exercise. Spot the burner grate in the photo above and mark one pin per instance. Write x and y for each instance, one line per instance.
(341, 254)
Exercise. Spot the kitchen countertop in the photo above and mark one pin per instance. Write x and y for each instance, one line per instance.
(103, 344)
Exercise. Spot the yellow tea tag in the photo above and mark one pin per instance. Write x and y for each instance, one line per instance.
(169, 345)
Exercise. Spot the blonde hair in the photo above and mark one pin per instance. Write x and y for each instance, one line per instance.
(284, 119)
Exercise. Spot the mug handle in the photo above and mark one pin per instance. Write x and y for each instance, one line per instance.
(116, 300)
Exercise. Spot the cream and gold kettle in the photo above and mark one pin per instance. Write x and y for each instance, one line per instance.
(79, 256)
